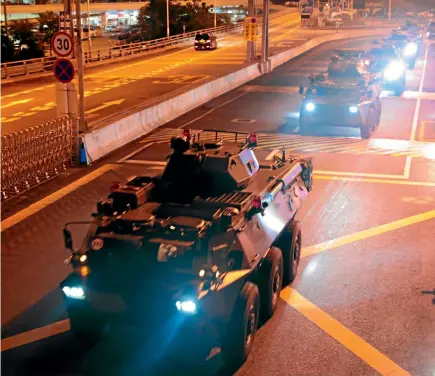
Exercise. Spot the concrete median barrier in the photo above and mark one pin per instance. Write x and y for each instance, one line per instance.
(118, 133)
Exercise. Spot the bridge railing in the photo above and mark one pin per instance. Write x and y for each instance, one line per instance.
(35, 66)
(36, 154)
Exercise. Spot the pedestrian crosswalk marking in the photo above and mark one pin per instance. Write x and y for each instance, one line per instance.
(311, 144)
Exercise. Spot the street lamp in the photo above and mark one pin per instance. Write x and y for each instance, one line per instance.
(89, 28)
(215, 15)
(167, 19)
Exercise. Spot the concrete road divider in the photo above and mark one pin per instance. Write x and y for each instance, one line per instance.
(118, 133)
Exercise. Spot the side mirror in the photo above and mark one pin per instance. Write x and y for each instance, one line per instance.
(301, 90)
(67, 239)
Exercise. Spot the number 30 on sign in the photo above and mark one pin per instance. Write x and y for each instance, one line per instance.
(62, 44)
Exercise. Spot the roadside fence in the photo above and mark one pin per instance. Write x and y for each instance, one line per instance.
(36, 154)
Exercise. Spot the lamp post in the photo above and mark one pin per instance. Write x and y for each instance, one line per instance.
(89, 27)
(389, 9)
(215, 15)
(5, 11)
(167, 19)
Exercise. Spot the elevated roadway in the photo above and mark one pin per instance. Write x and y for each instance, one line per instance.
(363, 302)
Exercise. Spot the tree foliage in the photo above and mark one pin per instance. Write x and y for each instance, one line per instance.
(28, 46)
(49, 25)
(7, 52)
(152, 19)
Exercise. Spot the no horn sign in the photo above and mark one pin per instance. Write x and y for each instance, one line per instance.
(63, 70)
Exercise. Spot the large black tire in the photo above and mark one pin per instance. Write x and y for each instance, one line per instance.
(290, 243)
(411, 64)
(304, 128)
(271, 283)
(398, 90)
(379, 114)
(243, 326)
(86, 330)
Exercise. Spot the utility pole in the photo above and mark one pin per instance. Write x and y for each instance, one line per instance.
(5, 12)
(250, 45)
(215, 15)
(389, 9)
(82, 121)
(89, 28)
(265, 38)
(168, 34)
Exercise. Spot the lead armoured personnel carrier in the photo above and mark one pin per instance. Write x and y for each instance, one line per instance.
(346, 95)
(200, 251)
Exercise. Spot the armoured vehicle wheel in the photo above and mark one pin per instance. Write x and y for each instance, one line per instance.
(243, 326)
(398, 91)
(291, 244)
(379, 107)
(86, 330)
(304, 129)
(271, 282)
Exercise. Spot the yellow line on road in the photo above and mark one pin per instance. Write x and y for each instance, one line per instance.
(380, 181)
(421, 133)
(361, 174)
(41, 204)
(35, 335)
(374, 231)
(372, 356)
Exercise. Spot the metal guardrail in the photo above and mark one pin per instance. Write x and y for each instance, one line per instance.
(34, 155)
(32, 66)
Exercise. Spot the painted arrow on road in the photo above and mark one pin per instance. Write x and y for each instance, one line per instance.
(107, 104)
(22, 101)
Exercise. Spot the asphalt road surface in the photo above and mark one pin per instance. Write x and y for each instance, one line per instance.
(114, 87)
(363, 303)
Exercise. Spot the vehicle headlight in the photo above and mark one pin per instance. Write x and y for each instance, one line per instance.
(394, 71)
(353, 109)
(410, 49)
(73, 292)
(310, 106)
(186, 306)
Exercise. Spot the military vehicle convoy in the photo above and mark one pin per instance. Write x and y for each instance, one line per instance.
(201, 250)
(347, 95)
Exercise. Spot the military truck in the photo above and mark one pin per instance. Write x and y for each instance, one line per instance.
(347, 95)
(201, 250)
(386, 61)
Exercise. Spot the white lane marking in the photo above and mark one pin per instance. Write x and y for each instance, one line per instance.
(420, 90)
(211, 110)
(135, 152)
(407, 167)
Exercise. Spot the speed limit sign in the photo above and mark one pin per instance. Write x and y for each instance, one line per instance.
(62, 44)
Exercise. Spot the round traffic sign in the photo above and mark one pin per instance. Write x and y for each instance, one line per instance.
(62, 44)
(63, 70)
(253, 20)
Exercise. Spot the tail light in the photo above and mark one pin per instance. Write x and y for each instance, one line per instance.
(187, 133)
(252, 140)
(115, 186)
(256, 202)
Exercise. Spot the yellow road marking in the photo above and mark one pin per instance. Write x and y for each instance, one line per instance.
(374, 231)
(360, 174)
(21, 113)
(35, 335)
(41, 204)
(421, 133)
(10, 120)
(29, 114)
(381, 181)
(366, 352)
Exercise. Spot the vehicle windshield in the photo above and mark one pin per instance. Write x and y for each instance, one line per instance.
(325, 91)
(202, 37)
